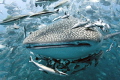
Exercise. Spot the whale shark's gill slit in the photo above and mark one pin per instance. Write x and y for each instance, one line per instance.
(61, 45)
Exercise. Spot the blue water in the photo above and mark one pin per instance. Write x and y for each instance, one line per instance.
(14, 57)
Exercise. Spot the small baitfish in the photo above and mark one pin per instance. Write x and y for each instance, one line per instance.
(61, 17)
(63, 2)
(79, 24)
(45, 12)
(12, 20)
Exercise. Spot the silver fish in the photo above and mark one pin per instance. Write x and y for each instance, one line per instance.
(111, 35)
(57, 18)
(2, 46)
(13, 20)
(102, 25)
(61, 17)
(47, 69)
(80, 24)
(65, 16)
(99, 24)
(63, 2)
(90, 25)
(43, 13)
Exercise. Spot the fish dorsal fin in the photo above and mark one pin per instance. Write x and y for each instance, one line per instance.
(8, 17)
(111, 35)
(45, 10)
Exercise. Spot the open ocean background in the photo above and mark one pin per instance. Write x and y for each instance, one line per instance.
(14, 58)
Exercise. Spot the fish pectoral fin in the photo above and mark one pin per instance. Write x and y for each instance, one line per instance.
(43, 71)
(40, 69)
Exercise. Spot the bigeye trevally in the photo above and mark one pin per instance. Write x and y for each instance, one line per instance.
(60, 41)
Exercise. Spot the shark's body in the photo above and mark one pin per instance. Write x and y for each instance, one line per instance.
(60, 41)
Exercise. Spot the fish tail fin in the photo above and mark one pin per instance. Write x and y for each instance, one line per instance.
(31, 60)
(57, 10)
(60, 72)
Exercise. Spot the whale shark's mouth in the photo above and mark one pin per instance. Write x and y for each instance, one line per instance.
(70, 49)
(41, 46)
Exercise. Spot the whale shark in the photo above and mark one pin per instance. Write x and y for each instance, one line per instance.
(60, 41)
(65, 46)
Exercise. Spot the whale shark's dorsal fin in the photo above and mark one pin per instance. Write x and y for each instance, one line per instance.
(111, 35)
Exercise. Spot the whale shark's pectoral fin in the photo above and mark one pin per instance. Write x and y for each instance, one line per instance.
(111, 35)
